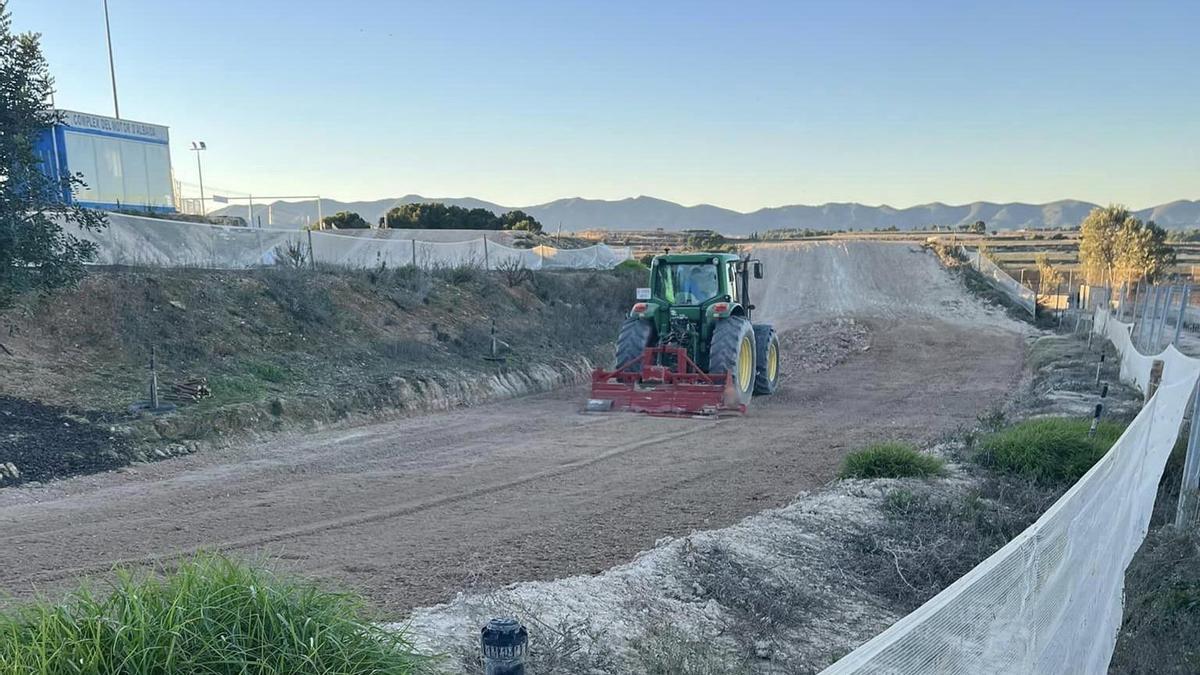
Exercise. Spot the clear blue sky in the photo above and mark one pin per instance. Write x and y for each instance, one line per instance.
(739, 104)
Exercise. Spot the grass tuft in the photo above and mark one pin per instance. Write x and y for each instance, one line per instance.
(1048, 449)
(890, 460)
(212, 615)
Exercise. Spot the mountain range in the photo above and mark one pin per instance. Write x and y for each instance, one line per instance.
(648, 213)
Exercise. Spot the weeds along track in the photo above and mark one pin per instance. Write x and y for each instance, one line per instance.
(413, 510)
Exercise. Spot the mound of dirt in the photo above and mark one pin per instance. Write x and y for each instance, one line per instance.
(809, 281)
(817, 347)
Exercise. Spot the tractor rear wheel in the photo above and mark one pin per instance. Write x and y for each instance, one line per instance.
(732, 351)
(635, 335)
(766, 348)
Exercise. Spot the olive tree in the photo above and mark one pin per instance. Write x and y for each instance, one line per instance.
(1116, 246)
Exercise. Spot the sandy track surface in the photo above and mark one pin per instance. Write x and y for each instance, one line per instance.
(412, 511)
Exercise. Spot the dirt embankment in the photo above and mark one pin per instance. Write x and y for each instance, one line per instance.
(282, 349)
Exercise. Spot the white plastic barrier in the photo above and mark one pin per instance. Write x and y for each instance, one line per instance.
(141, 241)
(1020, 294)
(1050, 601)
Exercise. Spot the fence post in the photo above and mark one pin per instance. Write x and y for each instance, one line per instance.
(1183, 303)
(1186, 509)
(312, 258)
(1064, 303)
(1148, 315)
(1145, 315)
(1137, 295)
(486, 266)
(414, 247)
(1159, 291)
(1160, 325)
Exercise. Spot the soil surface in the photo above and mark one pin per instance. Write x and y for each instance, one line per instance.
(43, 441)
(412, 511)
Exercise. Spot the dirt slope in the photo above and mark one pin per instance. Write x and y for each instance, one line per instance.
(412, 511)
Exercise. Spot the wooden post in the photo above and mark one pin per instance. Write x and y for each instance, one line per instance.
(485, 253)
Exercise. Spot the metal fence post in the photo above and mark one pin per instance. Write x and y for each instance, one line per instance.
(1139, 318)
(1183, 303)
(486, 266)
(1189, 489)
(1148, 315)
(414, 248)
(312, 258)
(1160, 325)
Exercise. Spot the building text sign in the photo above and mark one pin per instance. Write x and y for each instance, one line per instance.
(150, 132)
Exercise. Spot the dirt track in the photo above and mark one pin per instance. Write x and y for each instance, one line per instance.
(414, 510)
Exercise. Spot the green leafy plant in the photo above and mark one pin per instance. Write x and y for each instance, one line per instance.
(345, 220)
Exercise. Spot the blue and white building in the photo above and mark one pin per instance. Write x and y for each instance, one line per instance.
(125, 164)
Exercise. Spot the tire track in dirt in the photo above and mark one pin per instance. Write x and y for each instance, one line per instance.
(372, 516)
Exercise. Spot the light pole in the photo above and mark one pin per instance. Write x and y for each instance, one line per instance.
(197, 147)
(112, 70)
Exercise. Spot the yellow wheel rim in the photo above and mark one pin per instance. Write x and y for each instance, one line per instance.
(745, 371)
(772, 361)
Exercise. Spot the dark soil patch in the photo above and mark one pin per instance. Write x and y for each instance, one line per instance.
(44, 441)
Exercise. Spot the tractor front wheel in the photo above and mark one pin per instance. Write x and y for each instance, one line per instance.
(766, 347)
(732, 351)
(632, 340)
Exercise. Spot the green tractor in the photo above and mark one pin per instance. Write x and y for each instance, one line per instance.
(688, 346)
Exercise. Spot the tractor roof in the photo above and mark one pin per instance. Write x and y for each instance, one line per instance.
(695, 257)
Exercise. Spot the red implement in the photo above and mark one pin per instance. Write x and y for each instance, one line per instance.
(677, 389)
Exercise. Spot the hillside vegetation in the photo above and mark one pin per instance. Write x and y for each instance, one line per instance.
(280, 348)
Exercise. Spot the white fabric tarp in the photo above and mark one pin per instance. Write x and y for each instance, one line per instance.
(1020, 294)
(1050, 601)
(141, 241)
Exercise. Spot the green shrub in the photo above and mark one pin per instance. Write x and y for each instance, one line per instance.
(1049, 449)
(212, 615)
(632, 265)
(890, 460)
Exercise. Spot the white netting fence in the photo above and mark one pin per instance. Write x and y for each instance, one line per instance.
(1020, 293)
(1050, 601)
(139, 241)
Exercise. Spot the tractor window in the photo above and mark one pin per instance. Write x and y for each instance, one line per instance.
(686, 283)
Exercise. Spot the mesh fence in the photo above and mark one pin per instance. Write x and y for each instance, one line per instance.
(1050, 601)
(139, 241)
(1020, 294)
